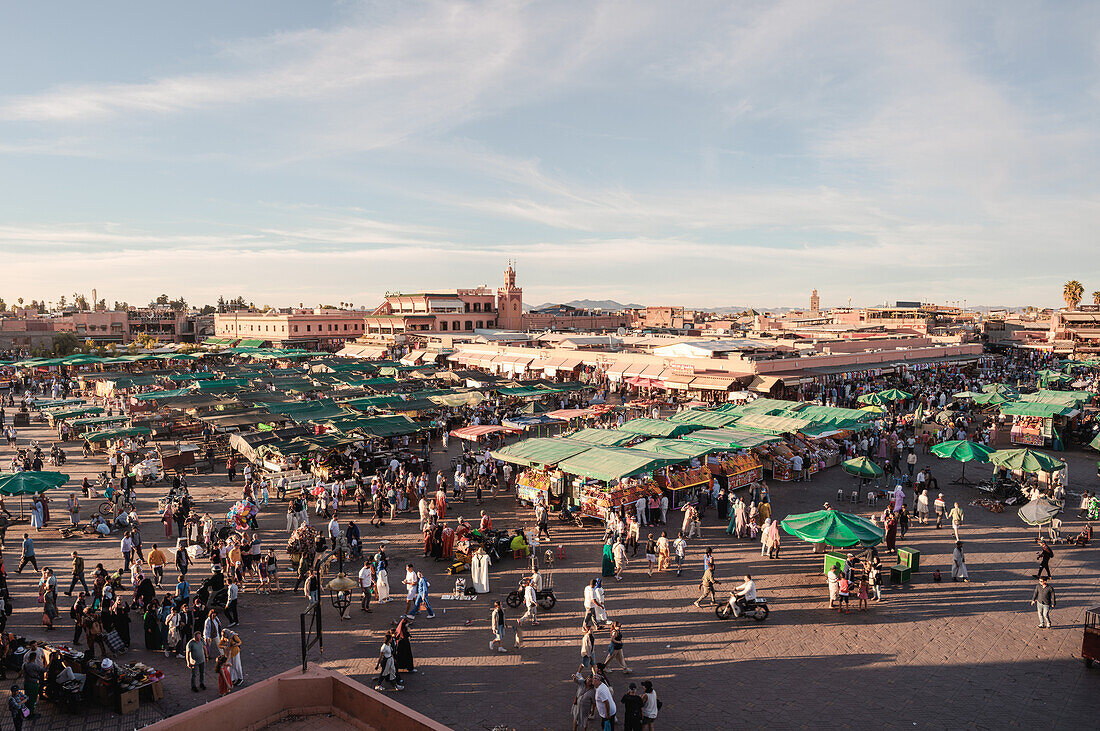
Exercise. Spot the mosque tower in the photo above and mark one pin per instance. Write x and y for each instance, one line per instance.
(510, 302)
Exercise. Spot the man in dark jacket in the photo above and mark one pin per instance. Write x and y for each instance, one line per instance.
(1044, 601)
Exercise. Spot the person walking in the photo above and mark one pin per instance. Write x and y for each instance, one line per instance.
(1043, 556)
(650, 705)
(615, 648)
(679, 548)
(1043, 600)
(940, 507)
(230, 645)
(496, 625)
(619, 553)
(956, 516)
(195, 654)
(78, 575)
(588, 647)
(707, 585)
(591, 603)
(530, 600)
(27, 555)
(366, 584)
(958, 564)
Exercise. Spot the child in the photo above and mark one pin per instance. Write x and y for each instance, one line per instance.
(221, 669)
(864, 594)
(842, 591)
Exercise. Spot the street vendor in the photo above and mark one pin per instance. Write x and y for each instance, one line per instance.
(519, 543)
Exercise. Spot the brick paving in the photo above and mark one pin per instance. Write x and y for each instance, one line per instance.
(931, 655)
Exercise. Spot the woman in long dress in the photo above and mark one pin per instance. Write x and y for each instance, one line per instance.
(741, 518)
(403, 656)
(152, 625)
(601, 610)
(382, 583)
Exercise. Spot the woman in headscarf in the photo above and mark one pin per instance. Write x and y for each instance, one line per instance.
(230, 645)
(36, 513)
(386, 666)
(151, 624)
(403, 654)
(773, 543)
(741, 518)
(608, 559)
(765, 537)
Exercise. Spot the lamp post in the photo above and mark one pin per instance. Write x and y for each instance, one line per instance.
(340, 591)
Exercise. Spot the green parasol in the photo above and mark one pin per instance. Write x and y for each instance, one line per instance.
(1095, 443)
(872, 409)
(872, 399)
(1039, 512)
(894, 394)
(861, 467)
(963, 451)
(30, 483)
(833, 528)
(1001, 388)
(1026, 460)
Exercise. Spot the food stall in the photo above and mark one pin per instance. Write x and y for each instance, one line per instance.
(596, 500)
(539, 485)
(1034, 423)
(121, 687)
(740, 469)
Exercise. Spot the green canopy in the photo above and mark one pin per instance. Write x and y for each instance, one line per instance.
(657, 428)
(540, 451)
(386, 426)
(1031, 408)
(1026, 460)
(966, 394)
(962, 450)
(732, 438)
(68, 413)
(704, 419)
(30, 483)
(602, 437)
(607, 463)
(833, 528)
(130, 431)
(861, 467)
(1001, 388)
(154, 395)
(894, 394)
(674, 451)
(1095, 443)
(993, 399)
(872, 399)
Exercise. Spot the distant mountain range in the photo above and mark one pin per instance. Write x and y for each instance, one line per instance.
(612, 305)
(587, 305)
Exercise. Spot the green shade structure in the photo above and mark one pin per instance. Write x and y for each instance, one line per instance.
(30, 483)
(1026, 460)
(1002, 389)
(894, 394)
(993, 399)
(963, 451)
(872, 399)
(1039, 512)
(966, 394)
(872, 409)
(861, 467)
(1095, 443)
(833, 528)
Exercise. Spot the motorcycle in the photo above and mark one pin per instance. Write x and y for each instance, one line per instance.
(545, 597)
(736, 607)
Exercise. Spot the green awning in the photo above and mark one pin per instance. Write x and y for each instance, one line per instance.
(602, 437)
(131, 431)
(731, 438)
(372, 402)
(704, 419)
(252, 343)
(1027, 408)
(99, 421)
(68, 413)
(386, 426)
(154, 395)
(185, 377)
(674, 451)
(608, 463)
(657, 428)
(540, 451)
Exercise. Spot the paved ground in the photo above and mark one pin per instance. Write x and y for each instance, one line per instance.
(931, 655)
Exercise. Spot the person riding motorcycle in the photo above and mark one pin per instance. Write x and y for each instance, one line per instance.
(745, 592)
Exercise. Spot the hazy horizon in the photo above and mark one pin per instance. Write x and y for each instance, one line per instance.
(706, 155)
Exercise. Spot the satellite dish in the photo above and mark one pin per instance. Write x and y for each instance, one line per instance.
(621, 331)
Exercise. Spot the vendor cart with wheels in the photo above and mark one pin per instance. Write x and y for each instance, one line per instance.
(1090, 643)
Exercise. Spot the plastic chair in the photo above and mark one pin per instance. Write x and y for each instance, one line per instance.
(854, 497)
(872, 498)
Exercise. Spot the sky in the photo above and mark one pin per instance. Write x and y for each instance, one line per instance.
(703, 154)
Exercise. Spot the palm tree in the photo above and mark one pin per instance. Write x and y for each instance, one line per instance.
(1072, 293)
(1096, 297)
